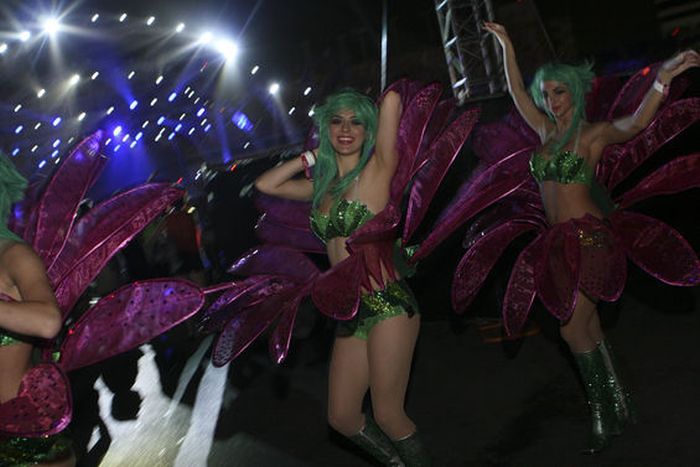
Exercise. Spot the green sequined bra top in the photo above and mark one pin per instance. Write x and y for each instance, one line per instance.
(344, 217)
(563, 167)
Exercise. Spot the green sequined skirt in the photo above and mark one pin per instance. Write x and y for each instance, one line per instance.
(393, 300)
(21, 452)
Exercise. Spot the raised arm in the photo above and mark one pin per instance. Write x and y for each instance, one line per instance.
(37, 313)
(535, 118)
(281, 181)
(623, 129)
(387, 131)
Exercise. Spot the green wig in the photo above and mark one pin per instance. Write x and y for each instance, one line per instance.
(326, 169)
(12, 185)
(577, 79)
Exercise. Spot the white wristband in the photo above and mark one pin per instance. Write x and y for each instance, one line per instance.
(308, 158)
(660, 87)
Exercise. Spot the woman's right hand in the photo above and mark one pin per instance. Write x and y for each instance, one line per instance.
(499, 31)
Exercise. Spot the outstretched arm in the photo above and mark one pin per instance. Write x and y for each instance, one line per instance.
(535, 118)
(37, 313)
(627, 127)
(387, 131)
(280, 181)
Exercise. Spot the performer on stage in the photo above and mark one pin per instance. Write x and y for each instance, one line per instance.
(564, 166)
(353, 169)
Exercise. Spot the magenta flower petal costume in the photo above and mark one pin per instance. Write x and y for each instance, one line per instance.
(74, 251)
(280, 274)
(585, 253)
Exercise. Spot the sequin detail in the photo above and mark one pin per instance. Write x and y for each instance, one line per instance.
(595, 239)
(20, 452)
(344, 217)
(393, 300)
(8, 339)
(563, 167)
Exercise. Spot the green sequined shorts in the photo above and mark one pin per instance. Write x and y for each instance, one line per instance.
(21, 452)
(393, 300)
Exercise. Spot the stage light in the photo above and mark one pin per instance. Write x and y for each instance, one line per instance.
(133, 143)
(15, 151)
(291, 111)
(200, 112)
(159, 79)
(145, 124)
(150, 20)
(191, 94)
(196, 100)
(3, 48)
(54, 154)
(203, 122)
(117, 130)
(178, 127)
(122, 17)
(131, 74)
(171, 136)
(307, 91)
(74, 80)
(24, 36)
(126, 138)
(95, 75)
(56, 143)
(109, 140)
(158, 136)
(18, 107)
(138, 136)
(34, 148)
(41, 93)
(207, 128)
(274, 88)
(172, 96)
(51, 26)
(56, 121)
(19, 129)
(133, 104)
(227, 48)
(191, 131)
(182, 117)
(110, 110)
(311, 112)
(187, 89)
(95, 17)
(81, 117)
(205, 37)
(245, 146)
(161, 119)
(153, 101)
(117, 147)
(254, 70)
(180, 27)
(42, 164)
(36, 127)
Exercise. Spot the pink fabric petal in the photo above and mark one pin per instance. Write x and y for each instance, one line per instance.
(288, 212)
(42, 406)
(127, 318)
(302, 239)
(603, 263)
(336, 292)
(101, 233)
(282, 333)
(521, 288)
(678, 175)
(657, 248)
(274, 259)
(477, 262)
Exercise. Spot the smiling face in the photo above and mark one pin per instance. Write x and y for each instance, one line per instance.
(557, 98)
(346, 132)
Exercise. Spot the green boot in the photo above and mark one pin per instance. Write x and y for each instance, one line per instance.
(591, 365)
(413, 451)
(624, 407)
(374, 442)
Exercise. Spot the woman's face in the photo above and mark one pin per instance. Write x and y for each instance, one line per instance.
(346, 133)
(557, 98)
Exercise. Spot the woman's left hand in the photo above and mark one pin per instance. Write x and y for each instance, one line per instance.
(677, 65)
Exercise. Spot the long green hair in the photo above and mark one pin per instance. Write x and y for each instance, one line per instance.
(326, 169)
(12, 185)
(577, 78)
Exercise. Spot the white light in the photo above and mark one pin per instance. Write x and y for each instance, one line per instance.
(189, 96)
(81, 117)
(204, 122)
(42, 163)
(180, 27)
(311, 113)
(41, 93)
(19, 129)
(56, 143)
(205, 38)
(36, 127)
(171, 136)
(24, 36)
(227, 48)
(54, 154)
(110, 110)
(56, 121)
(51, 26)
(34, 148)
(191, 131)
(291, 111)
(126, 138)
(3, 48)
(178, 127)
(95, 17)
(18, 107)
(153, 101)
(161, 119)
(138, 136)
(95, 75)
(182, 117)
(200, 112)
(158, 136)
(109, 140)
(254, 70)
(131, 74)
(117, 147)
(122, 17)
(245, 146)
(159, 79)
(307, 91)
(274, 88)
(133, 104)
(187, 89)
(150, 20)
(133, 143)
(172, 96)
(15, 151)
(196, 100)
(117, 131)
(207, 128)
(74, 79)
(145, 124)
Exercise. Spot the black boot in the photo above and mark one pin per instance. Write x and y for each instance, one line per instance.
(374, 442)
(624, 407)
(412, 451)
(591, 365)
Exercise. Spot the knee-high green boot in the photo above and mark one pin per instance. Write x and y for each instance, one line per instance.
(412, 451)
(600, 402)
(624, 407)
(374, 442)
